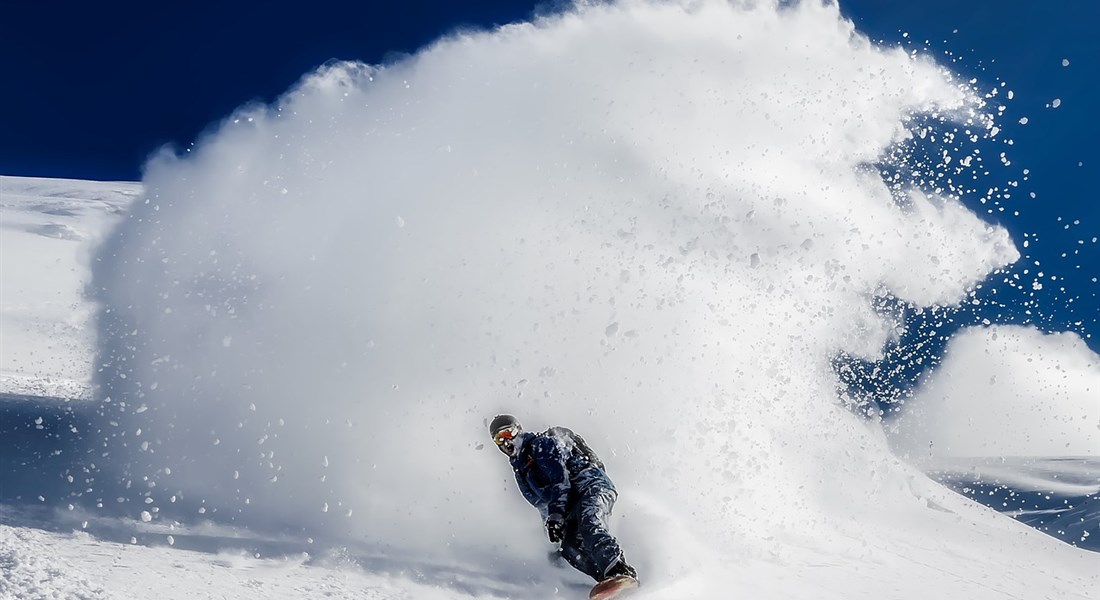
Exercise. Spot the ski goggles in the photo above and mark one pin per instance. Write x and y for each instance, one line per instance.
(505, 435)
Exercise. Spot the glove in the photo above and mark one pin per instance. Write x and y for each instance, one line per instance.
(555, 528)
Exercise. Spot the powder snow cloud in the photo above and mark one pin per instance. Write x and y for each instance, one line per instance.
(652, 222)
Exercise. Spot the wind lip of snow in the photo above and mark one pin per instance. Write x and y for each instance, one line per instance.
(1063, 475)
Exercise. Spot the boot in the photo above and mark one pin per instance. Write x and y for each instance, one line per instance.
(620, 569)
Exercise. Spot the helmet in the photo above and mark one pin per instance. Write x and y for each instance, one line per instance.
(501, 422)
(504, 429)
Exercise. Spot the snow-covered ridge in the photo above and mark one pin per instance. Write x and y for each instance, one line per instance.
(49, 229)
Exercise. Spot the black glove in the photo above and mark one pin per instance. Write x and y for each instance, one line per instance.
(555, 528)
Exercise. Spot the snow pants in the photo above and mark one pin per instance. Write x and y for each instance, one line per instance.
(588, 544)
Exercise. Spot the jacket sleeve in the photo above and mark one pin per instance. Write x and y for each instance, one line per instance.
(528, 494)
(550, 457)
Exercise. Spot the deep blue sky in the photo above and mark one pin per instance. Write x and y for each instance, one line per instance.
(89, 89)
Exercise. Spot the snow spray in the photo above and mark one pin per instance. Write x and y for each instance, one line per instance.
(654, 223)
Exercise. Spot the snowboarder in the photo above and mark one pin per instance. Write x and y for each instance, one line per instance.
(564, 479)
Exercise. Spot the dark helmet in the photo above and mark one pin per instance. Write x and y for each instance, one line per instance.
(501, 422)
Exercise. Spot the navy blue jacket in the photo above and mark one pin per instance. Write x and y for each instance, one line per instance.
(555, 468)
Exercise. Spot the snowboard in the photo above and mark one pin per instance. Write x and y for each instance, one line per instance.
(615, 587)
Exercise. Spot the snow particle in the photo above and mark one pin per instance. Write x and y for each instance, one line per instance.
(146, 517)
(1065, 62)
(1056, 103)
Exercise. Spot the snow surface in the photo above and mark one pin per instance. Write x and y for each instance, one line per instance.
(49, 231)
(37, 564)
(651, 223)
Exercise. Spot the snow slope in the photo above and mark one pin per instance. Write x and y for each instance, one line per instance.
(50, 228)
(1008, 560)
(36, 564)
(621, 219)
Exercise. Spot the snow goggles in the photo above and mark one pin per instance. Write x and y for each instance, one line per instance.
(504, 435)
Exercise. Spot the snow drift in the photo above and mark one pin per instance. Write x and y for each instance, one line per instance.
(655, 223)
(1007, 391)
